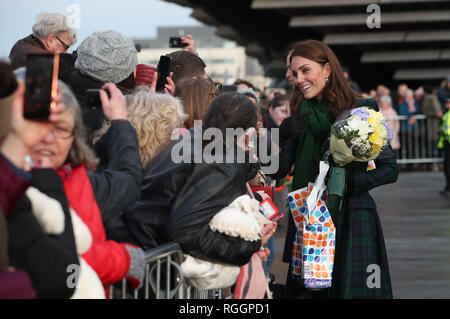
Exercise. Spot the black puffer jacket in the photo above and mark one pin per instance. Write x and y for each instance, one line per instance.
(179, 200)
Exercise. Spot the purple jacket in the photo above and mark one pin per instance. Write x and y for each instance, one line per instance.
(13, 183)
(15, 285)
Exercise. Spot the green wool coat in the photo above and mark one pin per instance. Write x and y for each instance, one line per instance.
(361, 267)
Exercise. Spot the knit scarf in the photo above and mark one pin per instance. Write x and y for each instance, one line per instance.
(316, 129)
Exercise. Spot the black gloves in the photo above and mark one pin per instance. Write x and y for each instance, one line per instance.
(292, 127)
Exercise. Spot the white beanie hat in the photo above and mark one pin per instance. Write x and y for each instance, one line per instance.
(107, 56)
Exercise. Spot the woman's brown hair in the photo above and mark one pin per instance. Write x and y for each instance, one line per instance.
(196, 95)
(337, 93)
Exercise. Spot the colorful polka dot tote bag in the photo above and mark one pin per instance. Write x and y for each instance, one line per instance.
(314, 244)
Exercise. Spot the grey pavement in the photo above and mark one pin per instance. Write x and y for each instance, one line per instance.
(416, 223)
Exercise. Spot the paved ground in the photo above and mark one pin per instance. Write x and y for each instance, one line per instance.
(416, 226)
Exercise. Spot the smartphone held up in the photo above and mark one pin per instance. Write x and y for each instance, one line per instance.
(92, 98)
(163, 70)
(41, 85)
(175, 42)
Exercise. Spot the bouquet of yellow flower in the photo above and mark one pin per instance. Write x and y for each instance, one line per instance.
(358, 135)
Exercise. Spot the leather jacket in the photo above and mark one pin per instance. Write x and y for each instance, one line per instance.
(179, 199)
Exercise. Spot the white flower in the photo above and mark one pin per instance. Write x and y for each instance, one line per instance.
(354, 123)
(363, 127)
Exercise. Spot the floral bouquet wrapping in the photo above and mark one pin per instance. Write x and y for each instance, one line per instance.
(358, 135)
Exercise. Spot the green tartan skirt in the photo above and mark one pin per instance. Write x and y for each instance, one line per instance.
(361, 268)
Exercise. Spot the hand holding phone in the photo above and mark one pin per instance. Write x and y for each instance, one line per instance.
(163, 71)
(92, 98)
(176, 42)
(114, 108)
(41, 83)
(169, 87)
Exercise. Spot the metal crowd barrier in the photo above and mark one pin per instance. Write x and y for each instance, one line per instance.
(163, 278)
(418, 142)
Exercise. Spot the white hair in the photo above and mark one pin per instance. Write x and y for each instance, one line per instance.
(53, 23)
(408, 92)
(386, 98)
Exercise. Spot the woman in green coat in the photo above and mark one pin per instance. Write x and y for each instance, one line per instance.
(360, 267)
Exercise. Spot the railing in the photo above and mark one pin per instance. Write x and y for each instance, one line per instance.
(418, 141)
(163, 278)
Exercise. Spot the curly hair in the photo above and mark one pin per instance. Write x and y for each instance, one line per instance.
(154, 116)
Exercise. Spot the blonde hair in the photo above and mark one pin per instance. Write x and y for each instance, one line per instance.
(154, 116)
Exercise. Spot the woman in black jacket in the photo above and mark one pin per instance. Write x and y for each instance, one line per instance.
(44, 257)
(183, 192)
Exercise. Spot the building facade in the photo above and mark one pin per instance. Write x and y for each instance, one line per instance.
(225, 60)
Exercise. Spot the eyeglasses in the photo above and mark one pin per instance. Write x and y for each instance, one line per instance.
(61, 132)
(66, 47)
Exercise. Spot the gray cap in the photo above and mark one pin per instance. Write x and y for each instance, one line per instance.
(107, 56)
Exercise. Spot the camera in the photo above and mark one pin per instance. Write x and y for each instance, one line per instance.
(92, 97)
(175, 42)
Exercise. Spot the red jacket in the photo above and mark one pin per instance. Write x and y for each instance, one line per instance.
(108, 258)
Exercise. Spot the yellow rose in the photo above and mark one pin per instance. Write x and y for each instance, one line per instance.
(375, 139)
(375, 148)
(375, 118)
(373, 121)
(381, 131)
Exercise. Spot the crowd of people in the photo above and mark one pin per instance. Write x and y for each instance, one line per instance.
(87, 191)
(416, 118)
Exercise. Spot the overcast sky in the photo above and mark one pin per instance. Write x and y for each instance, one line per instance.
(135, 18)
